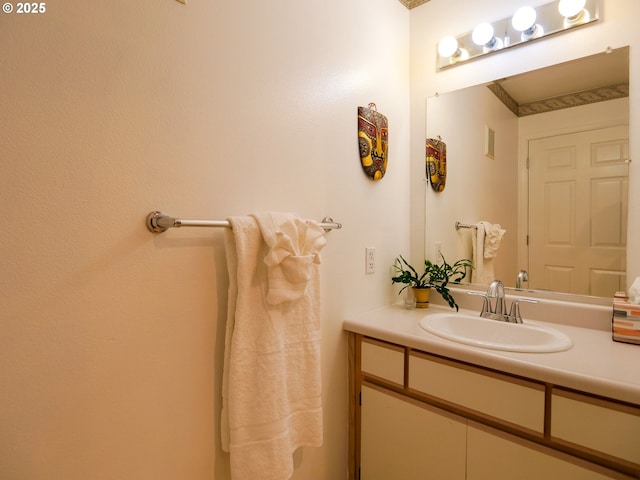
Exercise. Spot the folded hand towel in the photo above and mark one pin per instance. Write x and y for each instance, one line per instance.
(486, 239)
(294, 253)
(493, 234)
(271, 376)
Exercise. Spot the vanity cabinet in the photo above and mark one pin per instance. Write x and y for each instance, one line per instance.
(415, 415)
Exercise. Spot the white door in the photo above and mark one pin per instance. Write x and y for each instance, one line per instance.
(578, 211)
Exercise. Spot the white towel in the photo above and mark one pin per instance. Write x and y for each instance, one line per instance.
(486, 238)
(271, 376)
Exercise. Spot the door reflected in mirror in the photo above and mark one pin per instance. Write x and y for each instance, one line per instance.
(558, 179)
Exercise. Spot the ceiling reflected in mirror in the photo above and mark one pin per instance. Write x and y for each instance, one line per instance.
(526, 25)
(593, 79)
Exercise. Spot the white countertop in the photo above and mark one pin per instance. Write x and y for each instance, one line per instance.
(595, 364)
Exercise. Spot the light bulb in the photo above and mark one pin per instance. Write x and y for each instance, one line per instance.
(524, 19)
(482, 34)
(571, 8)
(447, 46)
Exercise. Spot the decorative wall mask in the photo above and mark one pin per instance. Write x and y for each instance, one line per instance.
(436, 163)
(373, 136)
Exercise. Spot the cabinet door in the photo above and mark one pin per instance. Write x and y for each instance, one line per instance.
(494, 455)
(403, 440)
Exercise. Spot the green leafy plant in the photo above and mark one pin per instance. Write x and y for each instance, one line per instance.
(435, 275)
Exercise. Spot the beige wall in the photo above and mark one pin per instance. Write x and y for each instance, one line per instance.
(111, 337)
(616, 29)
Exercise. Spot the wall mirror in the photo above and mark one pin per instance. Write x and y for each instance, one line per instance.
(544, 154)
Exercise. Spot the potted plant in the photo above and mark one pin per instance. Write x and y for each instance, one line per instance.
(435, 275)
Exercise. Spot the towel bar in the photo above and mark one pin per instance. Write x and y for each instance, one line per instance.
(158, 222)
(464, 225)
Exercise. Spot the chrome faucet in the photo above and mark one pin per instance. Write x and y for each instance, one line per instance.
(494, 305)
(496, 290)
(523, 276)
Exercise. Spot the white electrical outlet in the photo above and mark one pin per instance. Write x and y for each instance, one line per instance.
(370, 260)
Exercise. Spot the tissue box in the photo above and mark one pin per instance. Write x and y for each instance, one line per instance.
(626, 321)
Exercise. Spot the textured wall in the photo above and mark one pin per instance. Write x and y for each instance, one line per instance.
(111, 337)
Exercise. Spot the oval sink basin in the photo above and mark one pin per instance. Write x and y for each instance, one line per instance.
(494, 334)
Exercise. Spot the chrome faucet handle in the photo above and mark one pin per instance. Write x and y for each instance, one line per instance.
(514, 312)
(485, 302)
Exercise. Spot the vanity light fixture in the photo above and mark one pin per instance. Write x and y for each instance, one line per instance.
(527, 24)
(524, 20)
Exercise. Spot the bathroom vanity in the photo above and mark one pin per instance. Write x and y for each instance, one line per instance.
(422, 406)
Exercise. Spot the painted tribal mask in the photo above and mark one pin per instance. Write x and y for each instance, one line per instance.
(373, 137)
(436, 163)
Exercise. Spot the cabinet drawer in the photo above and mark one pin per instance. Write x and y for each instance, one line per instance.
(505, 398)
(383, 360)
(607, 427)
